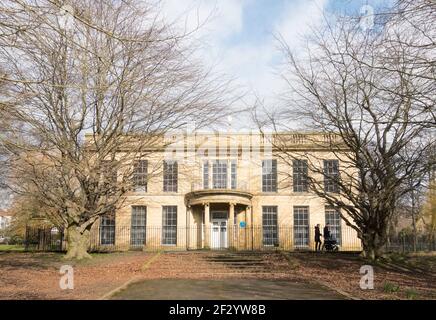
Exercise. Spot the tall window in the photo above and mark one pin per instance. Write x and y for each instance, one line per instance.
(140, 175)
(170, 176)
(219, 171)
(301, 227)
(331, 176)
(138, 225)
(333, 217)
(300, 175)
(169, 225)
(206, 175)
(269, 175)
(269, 225)
(234, 177)
(107, 229)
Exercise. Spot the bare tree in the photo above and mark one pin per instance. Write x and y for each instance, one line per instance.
(109, 69)
(428, 213)
(372, 93)
(410, 207)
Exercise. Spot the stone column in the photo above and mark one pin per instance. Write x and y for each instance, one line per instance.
(232, 215)
(231, 226)
(207, 225)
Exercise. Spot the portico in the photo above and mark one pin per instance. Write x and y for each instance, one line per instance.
(219, 218)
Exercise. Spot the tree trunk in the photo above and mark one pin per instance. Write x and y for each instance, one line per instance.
(372, 245)
(414, 221)
(78, 243)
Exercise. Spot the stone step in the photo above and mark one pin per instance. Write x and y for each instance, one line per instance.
(216, 263)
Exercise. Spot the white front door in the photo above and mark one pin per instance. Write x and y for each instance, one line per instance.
(219, 234)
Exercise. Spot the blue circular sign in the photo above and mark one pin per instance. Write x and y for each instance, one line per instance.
(242, 224)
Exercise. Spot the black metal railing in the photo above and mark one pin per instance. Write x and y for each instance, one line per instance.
(405, 243)
(199, 237)
(44, 239)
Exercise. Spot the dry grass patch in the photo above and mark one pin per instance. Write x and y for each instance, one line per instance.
(407, 277)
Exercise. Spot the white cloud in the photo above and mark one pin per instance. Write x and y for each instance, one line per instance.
(298, 19)
(218, 18)
(253, 63)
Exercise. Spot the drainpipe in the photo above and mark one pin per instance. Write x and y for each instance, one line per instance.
(188, 229)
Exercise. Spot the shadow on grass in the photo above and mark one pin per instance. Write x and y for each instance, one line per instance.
(54, 260)
(28, 260)
(407, 264)
(410, 263)
(11, 247)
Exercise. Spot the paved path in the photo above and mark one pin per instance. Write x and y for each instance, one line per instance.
(221, 276)
(244, 289)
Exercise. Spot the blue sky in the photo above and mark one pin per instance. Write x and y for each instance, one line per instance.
(238, 34)
(258, 21)
(259, 17)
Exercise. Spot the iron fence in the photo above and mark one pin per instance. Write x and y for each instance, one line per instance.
(252, 238)
(404, 243)
(44, 239)
(219, 237)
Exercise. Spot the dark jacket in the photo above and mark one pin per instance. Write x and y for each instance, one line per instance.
(326, 232)
(317, 234)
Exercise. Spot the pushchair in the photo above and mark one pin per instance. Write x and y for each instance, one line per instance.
(331, 245)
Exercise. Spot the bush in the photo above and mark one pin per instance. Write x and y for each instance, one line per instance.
(390, 287)
(411, 294)
(16, 240)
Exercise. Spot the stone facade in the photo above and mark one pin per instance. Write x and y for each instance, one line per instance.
(224, 206)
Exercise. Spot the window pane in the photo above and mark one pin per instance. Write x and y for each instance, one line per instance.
(219, 171)
(170, 176)
(269, 225)
(269, 175)
(301, 226)
(206, 175)
(300, 173)
(331, 175)
(138, 226)
(333, 217)
(140, 175)
(169, 225)
(107, 229)
(234, 175)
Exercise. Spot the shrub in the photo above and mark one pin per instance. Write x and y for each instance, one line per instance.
(390, 287)
(16, 240)
(411, 294)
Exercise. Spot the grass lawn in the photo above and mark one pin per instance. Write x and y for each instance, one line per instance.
(11, 247)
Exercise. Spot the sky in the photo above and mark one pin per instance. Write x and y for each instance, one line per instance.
(238, 39)
(238, 36)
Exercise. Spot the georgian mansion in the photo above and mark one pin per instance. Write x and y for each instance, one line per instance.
(219, 191)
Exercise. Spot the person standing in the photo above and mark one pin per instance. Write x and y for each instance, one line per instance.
(317, 238)
(326, 234)
(327, 231)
